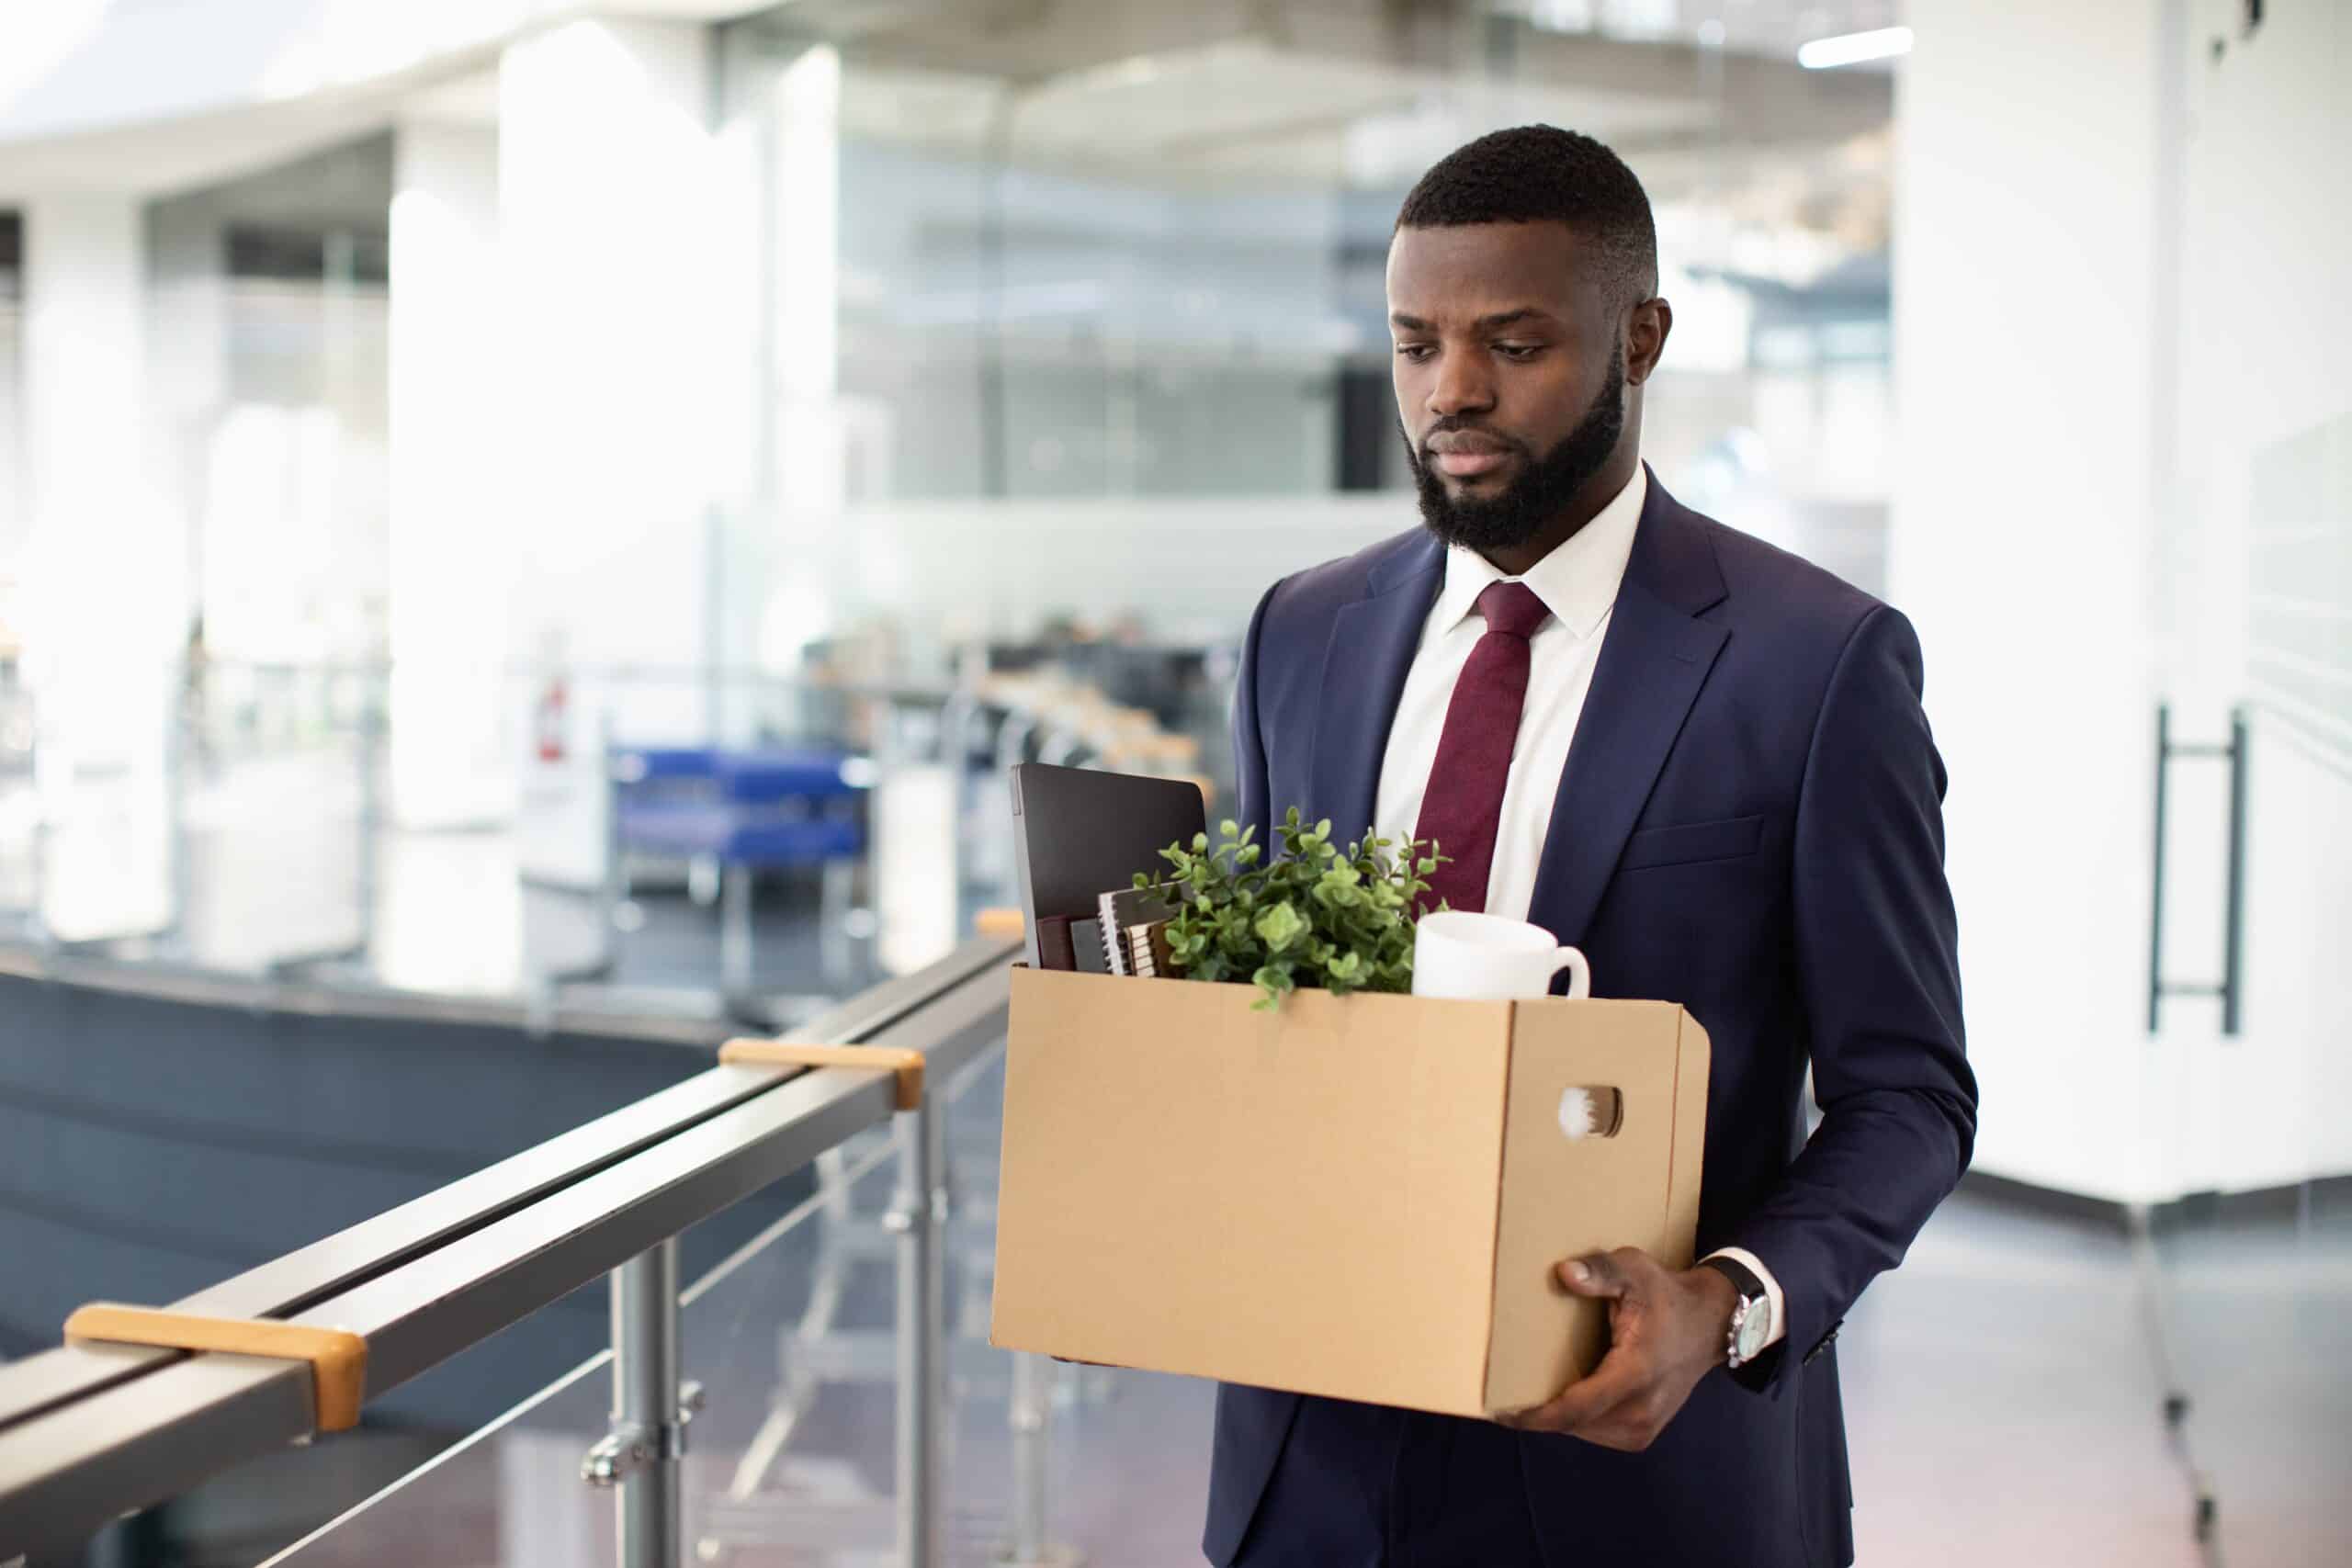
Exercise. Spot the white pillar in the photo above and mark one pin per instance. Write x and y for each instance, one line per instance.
(85, 398)
(620, 235)
(105, 594)
(452, 537)
(622, 401)
(2026, 296)
(804, 478)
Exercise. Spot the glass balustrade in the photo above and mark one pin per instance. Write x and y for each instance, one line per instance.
(790, 1351)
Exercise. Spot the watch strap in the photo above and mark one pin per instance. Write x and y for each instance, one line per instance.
(1752, 1297)
(1743, 1278)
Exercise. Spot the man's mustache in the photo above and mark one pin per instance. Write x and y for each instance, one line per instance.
(1461, 436)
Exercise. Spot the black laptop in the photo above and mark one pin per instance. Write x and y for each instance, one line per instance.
(1079, 833)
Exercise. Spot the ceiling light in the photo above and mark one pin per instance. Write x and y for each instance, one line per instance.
(1852, 48)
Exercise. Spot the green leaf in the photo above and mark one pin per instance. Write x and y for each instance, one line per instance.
(1281, 926)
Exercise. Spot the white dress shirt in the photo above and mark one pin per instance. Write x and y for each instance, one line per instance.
(1578, 583)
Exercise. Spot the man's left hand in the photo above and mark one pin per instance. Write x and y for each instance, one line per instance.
(1667, 1330)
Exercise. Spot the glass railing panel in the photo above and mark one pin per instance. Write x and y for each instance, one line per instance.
(793, 1342)
(793, 1456)
(506, 1495)
(786, 1325)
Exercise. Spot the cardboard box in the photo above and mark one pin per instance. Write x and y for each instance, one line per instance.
(1361, 1197)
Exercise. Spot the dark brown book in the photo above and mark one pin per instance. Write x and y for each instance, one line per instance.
(1054, 947)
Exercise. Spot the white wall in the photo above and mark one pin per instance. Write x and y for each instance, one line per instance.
(2019, 542)
(2258, 593)
(2119, 302)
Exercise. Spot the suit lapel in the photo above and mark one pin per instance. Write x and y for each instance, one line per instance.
(1653, 659)
(1370, 650)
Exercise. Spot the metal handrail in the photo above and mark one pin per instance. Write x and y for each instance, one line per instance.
(90, 1432)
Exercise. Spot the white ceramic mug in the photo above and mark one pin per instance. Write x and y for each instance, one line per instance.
(1485, 957)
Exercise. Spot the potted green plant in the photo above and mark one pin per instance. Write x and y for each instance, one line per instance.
(1316, 916)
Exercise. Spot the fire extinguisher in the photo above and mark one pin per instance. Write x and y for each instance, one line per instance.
(547, 720)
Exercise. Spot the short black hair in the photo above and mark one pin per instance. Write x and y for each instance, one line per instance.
(1539, 173)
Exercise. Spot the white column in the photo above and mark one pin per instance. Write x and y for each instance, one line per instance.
(104, 595)
(805, 479)
(84, 399)
(622, 242)
(622, 406)
(452, 537)
(2024, 515)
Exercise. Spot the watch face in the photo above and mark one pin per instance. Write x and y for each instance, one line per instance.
(1755, 1327)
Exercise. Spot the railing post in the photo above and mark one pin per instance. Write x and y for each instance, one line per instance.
(639, 1457)
(917, 1214)
(1030, 1417)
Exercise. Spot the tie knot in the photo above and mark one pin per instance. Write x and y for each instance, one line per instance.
(1512, 607)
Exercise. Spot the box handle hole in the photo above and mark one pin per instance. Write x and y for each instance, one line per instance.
(1589, 1111)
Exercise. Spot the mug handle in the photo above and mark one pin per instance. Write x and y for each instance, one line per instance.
(1579, 973)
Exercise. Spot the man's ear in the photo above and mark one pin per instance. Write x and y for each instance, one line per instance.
(1645, 333)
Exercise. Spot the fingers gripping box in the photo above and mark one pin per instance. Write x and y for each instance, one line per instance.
(1363, 1197)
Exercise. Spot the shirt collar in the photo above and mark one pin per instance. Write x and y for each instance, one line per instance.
(1578, 582)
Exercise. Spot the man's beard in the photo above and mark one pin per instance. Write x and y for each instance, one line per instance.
(1544, 486)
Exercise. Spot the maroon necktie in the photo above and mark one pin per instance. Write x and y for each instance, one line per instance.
(1462, 808)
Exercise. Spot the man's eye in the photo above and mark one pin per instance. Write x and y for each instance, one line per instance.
(1519, 350)
(1416, 352)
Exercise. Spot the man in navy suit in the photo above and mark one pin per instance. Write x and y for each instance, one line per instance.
(1699, 759)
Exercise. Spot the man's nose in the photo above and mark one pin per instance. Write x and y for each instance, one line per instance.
(1462, 386)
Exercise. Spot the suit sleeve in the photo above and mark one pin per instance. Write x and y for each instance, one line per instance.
(1249, 742)
(1876, 946)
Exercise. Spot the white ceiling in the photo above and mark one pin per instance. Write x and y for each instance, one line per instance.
(1357, 92)
(1244, 107)
(1363, 91)
(1770, 29)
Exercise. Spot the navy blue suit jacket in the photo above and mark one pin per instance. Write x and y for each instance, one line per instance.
(1750, 823)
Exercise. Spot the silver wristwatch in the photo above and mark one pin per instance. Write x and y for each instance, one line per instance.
(1751, 1314)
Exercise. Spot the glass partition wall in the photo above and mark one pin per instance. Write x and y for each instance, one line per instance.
(1117, 262)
